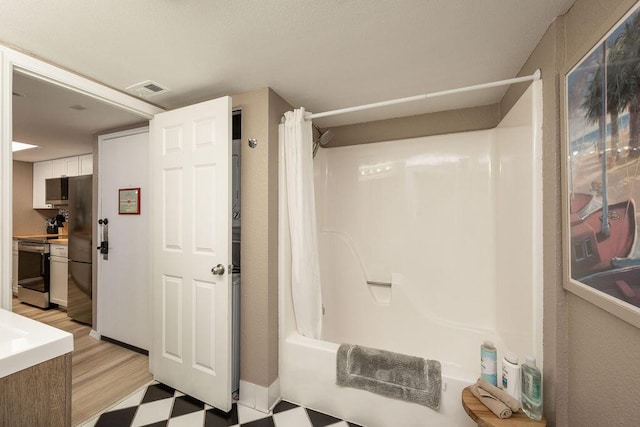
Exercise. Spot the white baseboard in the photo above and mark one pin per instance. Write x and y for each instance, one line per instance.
(260, 398)
(95, 335)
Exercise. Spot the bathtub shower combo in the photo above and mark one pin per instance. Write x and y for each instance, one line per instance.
(427, 247)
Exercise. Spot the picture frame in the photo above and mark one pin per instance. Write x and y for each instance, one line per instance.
(602, 172)
(129, 201)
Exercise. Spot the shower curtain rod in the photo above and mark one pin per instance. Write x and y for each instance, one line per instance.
(534, 76)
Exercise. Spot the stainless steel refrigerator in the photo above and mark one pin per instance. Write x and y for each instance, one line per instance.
(80, 248)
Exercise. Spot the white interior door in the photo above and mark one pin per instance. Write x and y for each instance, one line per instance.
(191, 234)
(123, 279)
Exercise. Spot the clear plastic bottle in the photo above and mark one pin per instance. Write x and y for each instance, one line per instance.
(531, 389)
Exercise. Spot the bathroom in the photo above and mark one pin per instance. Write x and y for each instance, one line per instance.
(578, 338)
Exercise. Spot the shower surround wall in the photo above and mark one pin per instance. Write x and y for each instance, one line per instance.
(452, 223)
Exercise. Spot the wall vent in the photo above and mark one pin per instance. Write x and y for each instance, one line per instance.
(147, 89)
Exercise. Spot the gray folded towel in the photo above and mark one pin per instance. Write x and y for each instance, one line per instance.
(499, 394)
(496, 406)
(399, 376)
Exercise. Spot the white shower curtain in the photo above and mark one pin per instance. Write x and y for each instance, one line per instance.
(296, 139)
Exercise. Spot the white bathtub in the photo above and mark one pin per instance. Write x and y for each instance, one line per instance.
(309, 379)
(438, 219)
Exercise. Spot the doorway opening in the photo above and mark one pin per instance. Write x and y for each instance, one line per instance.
(63, 124)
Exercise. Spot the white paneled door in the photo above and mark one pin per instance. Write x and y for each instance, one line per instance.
(191, 239)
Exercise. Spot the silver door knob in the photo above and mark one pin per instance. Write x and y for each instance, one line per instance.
(218, 270)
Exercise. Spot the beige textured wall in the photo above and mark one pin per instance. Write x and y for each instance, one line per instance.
(26, 220)
(277, 108)
(546, 57)
(591, 377)
(259, 247)
(254, 330)
(463, 120)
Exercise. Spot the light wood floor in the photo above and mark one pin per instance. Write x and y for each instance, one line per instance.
(102, 373)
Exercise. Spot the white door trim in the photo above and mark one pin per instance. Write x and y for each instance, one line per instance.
(128, 132)
(11, 60)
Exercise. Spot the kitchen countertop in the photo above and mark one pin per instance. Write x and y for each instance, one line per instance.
(25, 343)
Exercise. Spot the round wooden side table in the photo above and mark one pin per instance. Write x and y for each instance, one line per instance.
(485, 418)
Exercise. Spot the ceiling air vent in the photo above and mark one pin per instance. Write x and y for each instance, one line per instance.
(147, 89)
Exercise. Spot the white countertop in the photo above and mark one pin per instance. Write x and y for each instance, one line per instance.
(25, 342)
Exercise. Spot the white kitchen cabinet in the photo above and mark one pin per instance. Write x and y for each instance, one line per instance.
(14, 270)
(59, 274)
(86, 164)
(41, 172)
(67, 166)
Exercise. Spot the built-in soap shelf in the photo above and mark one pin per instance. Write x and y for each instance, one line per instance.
(383, 284)
(381, 291)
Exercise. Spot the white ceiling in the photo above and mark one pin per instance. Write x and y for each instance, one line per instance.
(42, 115)
(321, 55)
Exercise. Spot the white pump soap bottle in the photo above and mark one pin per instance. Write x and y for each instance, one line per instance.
(511, 375)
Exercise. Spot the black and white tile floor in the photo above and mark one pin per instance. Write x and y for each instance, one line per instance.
(159, 405)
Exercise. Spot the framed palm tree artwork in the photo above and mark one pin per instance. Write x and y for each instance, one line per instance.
(602, 147)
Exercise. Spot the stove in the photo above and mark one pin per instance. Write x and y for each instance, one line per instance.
(33, 271)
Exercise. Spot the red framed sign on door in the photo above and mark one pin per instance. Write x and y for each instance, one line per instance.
(129, 201)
